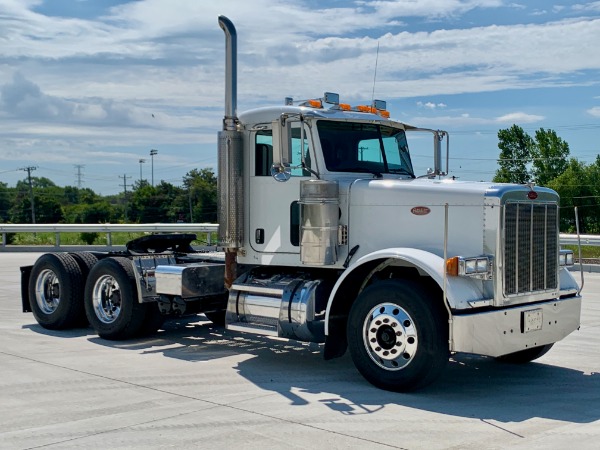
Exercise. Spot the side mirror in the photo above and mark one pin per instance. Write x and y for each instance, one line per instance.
(282, 138)
(438, 137)
(437, 153)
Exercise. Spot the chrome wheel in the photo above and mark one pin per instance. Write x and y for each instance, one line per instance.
(390, 336)
(106, 299)
(47, 291)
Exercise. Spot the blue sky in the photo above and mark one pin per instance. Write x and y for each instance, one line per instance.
(99, 83)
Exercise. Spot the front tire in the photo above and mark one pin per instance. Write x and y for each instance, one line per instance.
(55, 291)
(111, 300)
(397, 335)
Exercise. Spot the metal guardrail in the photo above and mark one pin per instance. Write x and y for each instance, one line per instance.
(107, 228)
(208, 228)
(586, 239)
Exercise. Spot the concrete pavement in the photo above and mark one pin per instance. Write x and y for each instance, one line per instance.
(199, 386)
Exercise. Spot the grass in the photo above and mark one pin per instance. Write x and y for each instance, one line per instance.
(587, 251)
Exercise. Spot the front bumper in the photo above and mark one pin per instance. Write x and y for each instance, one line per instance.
(500, 332)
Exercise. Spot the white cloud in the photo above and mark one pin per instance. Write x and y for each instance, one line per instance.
(431, 105)
(430, 8)
(177, 49)
(97, 82)
(590, 6)
(519, 117)
(595, 111)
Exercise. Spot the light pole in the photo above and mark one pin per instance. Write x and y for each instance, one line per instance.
(152, 153)
(142, 161)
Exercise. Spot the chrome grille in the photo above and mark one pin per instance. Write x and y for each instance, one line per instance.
(530, 247)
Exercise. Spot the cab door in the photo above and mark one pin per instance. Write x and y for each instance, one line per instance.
(273, 205)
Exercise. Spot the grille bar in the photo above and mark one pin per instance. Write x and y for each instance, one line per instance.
(530, 247)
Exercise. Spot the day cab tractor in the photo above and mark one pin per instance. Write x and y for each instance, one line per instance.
(328, 235)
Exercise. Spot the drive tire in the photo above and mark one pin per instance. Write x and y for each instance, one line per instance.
(111, 299)
(525, 356)
(85, 261)
(398, 335)
(55, 291)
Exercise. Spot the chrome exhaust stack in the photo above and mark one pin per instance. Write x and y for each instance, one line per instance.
(229, 182)
(229, 123)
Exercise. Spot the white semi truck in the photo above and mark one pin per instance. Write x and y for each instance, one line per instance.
(328, 236)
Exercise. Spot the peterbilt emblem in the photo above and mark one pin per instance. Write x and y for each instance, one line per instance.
(420, 210)
(532, 195)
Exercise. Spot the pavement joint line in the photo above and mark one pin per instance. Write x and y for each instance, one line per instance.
(210, 402)
(112, 430)
(503, 429)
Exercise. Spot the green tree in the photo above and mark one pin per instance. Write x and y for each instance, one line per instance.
(591, 181)
(4, 202)
(550, 156)
(47, 210)
(160, 203)
(100, 211)
(201, 186)
(46, 200)
(515, 154)
(576, 188)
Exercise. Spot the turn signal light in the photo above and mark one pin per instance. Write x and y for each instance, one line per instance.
(452, 266)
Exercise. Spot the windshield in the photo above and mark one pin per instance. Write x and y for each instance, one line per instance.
(364, 147)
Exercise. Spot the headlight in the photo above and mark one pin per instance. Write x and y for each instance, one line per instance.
(475, 267)
(565, 258)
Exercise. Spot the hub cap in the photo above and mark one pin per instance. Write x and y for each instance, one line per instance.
(47, 291)
(106, 299)
(390, 336)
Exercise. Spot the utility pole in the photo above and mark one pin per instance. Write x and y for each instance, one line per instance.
(29, 169)
(142, 161)
(190, 203)
(79, 174)
(152, 153)
(125, 192)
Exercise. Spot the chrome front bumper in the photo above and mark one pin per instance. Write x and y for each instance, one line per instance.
(497, 333)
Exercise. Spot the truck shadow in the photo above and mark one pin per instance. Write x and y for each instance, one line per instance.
(72, 333)
(471, 387)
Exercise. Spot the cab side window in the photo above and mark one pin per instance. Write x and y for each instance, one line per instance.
(263, 156)
(297, 150)
(263, 153)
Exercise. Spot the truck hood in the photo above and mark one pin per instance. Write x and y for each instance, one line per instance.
(388, 213)
(425, 192)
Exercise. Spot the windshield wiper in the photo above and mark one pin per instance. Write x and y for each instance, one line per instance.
(361, 170)
(402, 171)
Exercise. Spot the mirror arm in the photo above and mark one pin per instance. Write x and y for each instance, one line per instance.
(280, 170)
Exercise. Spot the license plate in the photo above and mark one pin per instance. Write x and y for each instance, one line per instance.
(532, 320)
